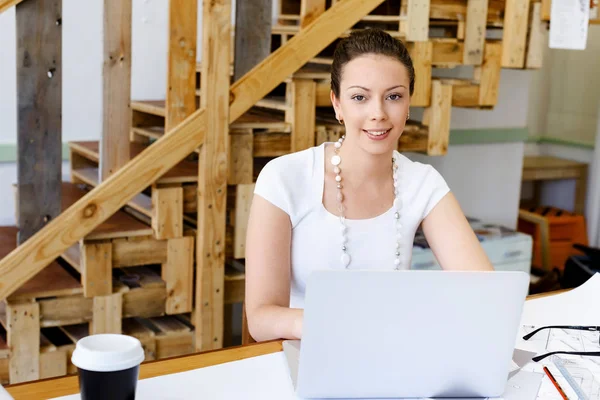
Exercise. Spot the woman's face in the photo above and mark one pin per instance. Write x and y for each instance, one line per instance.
(374, 102)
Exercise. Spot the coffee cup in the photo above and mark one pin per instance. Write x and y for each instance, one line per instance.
(108, 366)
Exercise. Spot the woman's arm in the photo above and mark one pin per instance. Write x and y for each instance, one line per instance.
(452, 239)
(268, 265)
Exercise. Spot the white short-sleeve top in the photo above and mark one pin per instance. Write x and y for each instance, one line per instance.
(294, 183)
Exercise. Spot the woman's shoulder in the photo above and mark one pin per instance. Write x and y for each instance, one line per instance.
(413, 170)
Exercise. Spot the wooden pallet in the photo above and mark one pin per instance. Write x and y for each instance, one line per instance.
(516, 23)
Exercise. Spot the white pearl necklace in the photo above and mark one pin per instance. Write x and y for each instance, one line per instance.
(336, 160)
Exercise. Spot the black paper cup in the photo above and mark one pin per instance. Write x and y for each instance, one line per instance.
(108, 366)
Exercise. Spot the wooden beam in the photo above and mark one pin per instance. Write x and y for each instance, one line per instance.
(418, 20)
(535, 40)
(514, 37)
(546, 10)
(241, 159)
(243, 201)
(105, 199)
(23, 336)
(439, 124)
(96, 269)
(107, 314)
(252, 35)
(422, 54)
(181, 62)
(212, 176)
(116, 89)
(489, 74)
(309, 10)
(167, 212)
(447, 53)
(475, 31)
(6, 4)
(178, 274)
(301, 95)
(39, 94)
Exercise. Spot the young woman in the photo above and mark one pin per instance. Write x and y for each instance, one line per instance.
(355, 203)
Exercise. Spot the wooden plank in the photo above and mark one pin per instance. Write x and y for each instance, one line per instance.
(243, 200)
(144, 302)
(6, 4)
(422, 55)
(116, 89)
(167, 212)
(535, 40)
(130, 252)
(107, 314)
(241, 149)
(181, 61)
(439, 127)
(53, 364)
(322, 96)
(234, 287)
(301, 94)
(39, 94)
(96, 269)
(212, 177)
(252, 35)
(178, 273)
(418, 20)
(475, 31)
(23, 333)
(514, 37)
(81, 218)
(310, 10)
(447, 53)
(489, 74)
(465, 95)
(546, 10)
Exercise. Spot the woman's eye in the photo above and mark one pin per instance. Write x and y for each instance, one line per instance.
(358, 97)
(395, 97)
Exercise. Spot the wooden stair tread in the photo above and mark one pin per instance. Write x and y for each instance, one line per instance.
(117, 225)
(275, 102)
(140, 202)
(255, 118)
(183, 172)
(51, 281)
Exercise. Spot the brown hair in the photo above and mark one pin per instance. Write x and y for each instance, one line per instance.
(369, 41)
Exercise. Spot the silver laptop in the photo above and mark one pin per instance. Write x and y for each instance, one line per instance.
(386, 334)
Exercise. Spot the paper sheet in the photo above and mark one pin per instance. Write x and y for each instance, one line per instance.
(4, 394)
(576, 307)
(569, 20)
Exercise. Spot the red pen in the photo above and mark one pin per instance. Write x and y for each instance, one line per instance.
(556, 385)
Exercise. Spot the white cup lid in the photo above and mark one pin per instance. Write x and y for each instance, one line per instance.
(107, 352)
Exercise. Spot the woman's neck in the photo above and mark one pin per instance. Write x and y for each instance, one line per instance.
(360, 168)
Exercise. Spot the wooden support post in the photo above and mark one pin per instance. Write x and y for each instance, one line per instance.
(167, 212)
(422, 53)
(439, 118)
(418, 20)
(96, 269)
(310, 10)
(241, 160)
(116, 88)
(546, 10)
(107, 314)
(535, 41)
(514, 38)
(212, 176)
(488, 74)
(301, 96)
(23, 335)
(39, 94)
(178, 274)
(475, 32)
(181, 64)
(252, 35)
(243, 200)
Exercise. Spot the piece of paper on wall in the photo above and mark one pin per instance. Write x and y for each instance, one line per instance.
(569, 20)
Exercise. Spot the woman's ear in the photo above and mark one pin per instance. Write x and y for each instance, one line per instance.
(336, 105)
